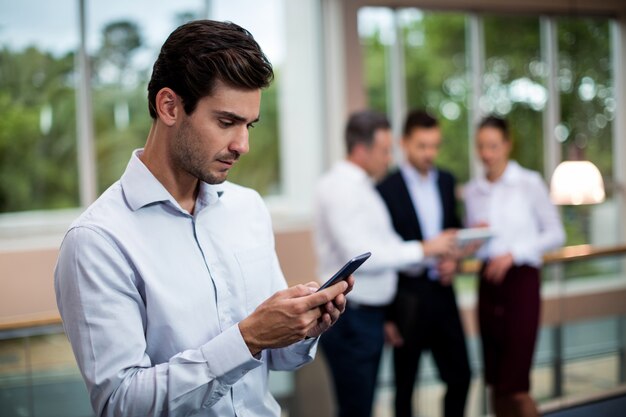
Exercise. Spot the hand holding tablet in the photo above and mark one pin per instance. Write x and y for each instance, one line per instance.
(473, 236)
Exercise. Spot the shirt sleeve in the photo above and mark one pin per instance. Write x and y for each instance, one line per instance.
(551, 233)
(104, 317)
(357, 225)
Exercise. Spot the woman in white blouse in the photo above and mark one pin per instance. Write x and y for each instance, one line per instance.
(514, 202)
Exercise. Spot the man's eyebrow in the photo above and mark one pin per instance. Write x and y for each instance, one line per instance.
(236, 117)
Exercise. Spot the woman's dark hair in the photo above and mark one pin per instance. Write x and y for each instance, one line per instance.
(199, 53)
(497, 123)
(361, 128)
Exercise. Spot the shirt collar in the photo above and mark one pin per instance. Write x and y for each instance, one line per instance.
(511, 175)
(412, 175)
(352, 170)
(142, 188)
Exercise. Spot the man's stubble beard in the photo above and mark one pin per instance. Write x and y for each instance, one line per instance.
(188, 155)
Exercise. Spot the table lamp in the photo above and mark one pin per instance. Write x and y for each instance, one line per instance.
(576, 183)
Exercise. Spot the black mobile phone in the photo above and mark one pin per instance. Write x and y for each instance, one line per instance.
(346, 270)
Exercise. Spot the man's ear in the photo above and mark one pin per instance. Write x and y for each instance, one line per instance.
(360, 150)
(168, 106)
(404, 142)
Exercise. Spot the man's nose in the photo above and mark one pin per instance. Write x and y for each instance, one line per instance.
(241, 143)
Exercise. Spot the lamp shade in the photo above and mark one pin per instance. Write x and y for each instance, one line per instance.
(576, 182)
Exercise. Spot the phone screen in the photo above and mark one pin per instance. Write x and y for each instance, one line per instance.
(346, 270)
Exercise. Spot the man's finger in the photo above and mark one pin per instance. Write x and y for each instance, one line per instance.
(340, 302)
(300, 290)
(350, 282)
(313, 284)
(320, 298)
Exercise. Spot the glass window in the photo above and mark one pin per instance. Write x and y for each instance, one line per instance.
(124, 42)
(586, 87)
(435, 66)
(431, 42)
(513, 83)
(260, 168)
(38, 167)
(376, 31)
(587, 111)
(513, 87)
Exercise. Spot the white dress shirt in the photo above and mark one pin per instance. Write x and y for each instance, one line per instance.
(426, 200)
(518, 210)
(151, 296)
(351, 218)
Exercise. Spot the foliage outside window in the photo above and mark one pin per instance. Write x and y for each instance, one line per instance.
(122, 119)
(38, 160)
(513, 83)
(514, 87)
(587, 108)
(436, 80)
(38, 168)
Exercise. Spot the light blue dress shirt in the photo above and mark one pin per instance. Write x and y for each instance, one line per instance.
(426, 200)
(150, 298)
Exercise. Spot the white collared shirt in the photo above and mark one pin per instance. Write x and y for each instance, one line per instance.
(350, 218)
(518, 210)
(151, 295)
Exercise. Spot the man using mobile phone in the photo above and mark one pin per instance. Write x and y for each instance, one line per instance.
(351, 218)
(169, 287)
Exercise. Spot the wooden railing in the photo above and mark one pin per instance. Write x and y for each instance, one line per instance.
(563, 255)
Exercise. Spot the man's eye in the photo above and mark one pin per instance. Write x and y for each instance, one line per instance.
(225, 123)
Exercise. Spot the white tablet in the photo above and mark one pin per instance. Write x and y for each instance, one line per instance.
(473, 234)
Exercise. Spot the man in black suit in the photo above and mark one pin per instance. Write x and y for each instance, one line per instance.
(422, 203)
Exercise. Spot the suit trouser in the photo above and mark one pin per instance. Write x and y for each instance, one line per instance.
(428, 319)
(353, 347)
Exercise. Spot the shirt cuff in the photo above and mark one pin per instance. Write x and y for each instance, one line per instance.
(228, 356)
(306, 347)
(412, 253)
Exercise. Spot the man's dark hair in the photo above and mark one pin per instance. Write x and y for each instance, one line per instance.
(361, 128)
(419, 119)
(199, 53)
(497, 123)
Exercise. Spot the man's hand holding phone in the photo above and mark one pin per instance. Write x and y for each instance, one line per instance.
(302, 311)
(331, 310)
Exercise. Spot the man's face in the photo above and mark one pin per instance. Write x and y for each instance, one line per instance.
(379, 154)
(211, 139)
(421, 148)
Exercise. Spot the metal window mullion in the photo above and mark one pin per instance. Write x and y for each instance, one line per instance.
(551, 158)
(475, 62)
(396, 84)
(618, 49)
(552, 113)
(84, 118)
(475, 41)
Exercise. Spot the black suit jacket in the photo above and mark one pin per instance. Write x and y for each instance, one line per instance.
(395, 193)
